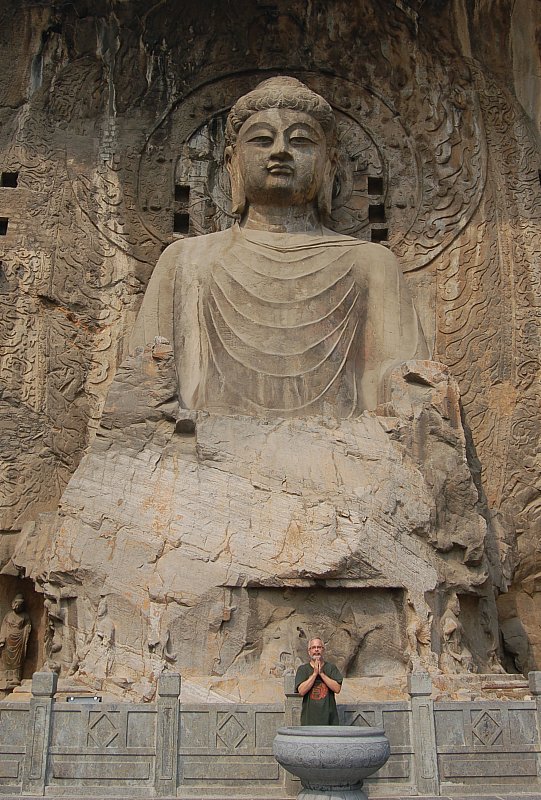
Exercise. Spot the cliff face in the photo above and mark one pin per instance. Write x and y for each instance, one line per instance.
(112, 116)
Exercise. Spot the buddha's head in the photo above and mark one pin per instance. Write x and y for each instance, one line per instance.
(17, 603)
(281, 147)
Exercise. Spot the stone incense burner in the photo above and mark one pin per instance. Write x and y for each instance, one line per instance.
(331, 761)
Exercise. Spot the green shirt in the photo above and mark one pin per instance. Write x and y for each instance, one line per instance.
(318, 705)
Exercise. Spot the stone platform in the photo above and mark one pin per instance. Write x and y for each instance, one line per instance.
(527, 796)
(489, 748)
(196, 540)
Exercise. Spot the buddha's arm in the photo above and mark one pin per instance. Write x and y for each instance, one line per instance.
(393, 333)
(145, 384)
(155, 317)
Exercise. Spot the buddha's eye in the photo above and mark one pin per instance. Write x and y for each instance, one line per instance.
(300, 140)
(262, 140)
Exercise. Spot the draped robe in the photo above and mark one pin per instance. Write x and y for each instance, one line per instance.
(272, 324)
(14, 633)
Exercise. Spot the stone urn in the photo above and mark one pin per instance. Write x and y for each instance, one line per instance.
(331, 760)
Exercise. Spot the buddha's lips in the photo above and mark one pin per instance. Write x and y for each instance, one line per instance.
(280, 169)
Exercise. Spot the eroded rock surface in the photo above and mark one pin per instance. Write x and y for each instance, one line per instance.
(113, 136)
(218, 553)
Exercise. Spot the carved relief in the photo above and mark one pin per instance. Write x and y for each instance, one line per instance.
(98, 660)
(14, 632)
(419, 653)
(382, 190)
(455, 656)
(116, 135)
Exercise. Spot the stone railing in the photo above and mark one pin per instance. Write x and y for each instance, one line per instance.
(168, 748)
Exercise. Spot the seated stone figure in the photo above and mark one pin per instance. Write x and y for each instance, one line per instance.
(279, 315)
(214, 549)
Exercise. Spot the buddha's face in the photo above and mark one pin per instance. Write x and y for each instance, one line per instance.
(281, 156)
(17, 604)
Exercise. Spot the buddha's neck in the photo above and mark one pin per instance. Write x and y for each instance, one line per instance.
(282, 219)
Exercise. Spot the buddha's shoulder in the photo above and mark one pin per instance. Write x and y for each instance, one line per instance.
(360, 248)
(199, 247)
(371, 263)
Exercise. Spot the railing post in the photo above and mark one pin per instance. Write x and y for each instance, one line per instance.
(37, 748)
(292, 717)
(534, 681)
(167, 733)
(423, 734)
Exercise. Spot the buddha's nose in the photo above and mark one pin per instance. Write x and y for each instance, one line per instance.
(279, 148)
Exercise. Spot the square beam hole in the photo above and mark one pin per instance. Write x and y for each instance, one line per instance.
(3, 226)
(376, 213)
(375, 185)
(181, 223)
(182, 193)
(9, 179)
(379, 234)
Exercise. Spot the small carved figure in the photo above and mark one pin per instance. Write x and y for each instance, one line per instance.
(285, 665)
(455, 656)
(53, 633)
(100, 655)
(105, 628)
(418, 633)
(491, 631)
(163, 647)
(14, 633)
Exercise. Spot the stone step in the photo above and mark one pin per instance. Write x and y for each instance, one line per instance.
(473, 796)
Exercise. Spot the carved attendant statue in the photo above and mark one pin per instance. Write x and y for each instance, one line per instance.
(280, 315)
(14, 633)
(455, 656)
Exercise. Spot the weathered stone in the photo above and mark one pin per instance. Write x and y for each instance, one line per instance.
(331, 761)
(14, 633)
(44, 684)
(214, 549)
(239, 359)
(114, 130)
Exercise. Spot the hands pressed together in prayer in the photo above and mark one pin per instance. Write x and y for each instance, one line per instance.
(316, 650)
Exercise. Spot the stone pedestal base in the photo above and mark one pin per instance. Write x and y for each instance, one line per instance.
(333, 794)
(216, 547)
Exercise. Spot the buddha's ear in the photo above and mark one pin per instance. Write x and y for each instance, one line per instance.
(238, 197)
(324, 197)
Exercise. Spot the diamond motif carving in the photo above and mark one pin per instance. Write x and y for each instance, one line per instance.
(486, 729)
(102, 732)
(362, 720)
(230, 732)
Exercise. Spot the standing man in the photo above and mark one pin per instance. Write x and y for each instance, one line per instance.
(318, 682)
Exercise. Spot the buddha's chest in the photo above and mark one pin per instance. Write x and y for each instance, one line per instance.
(284, 306)
(278, 335)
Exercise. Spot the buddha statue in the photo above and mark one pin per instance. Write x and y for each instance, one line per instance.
(14, 633)
(279, 315)
(235, 482)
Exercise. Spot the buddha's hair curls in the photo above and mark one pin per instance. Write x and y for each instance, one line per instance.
(281, 92)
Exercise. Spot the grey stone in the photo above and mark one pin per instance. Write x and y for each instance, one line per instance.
(44, 684)
(534, 681)
(424, 734)
(331, 761)
(169, 684)
(419, 684)
(225, 750)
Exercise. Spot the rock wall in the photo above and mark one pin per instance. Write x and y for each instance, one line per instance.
(221, 548)
(112, 115)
